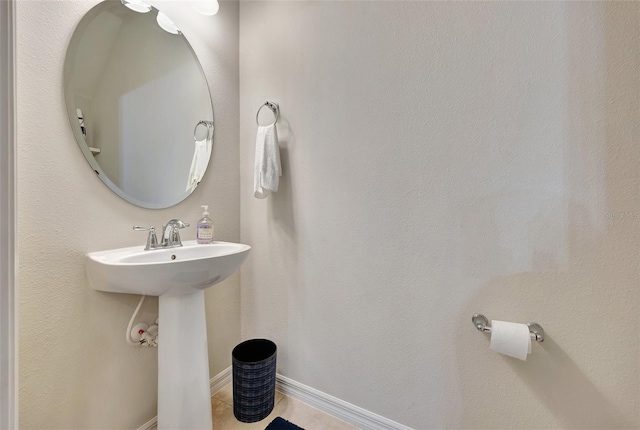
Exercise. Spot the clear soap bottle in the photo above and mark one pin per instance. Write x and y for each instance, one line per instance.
(204, 232)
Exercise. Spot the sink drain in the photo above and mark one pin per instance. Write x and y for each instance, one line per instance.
(173, 257)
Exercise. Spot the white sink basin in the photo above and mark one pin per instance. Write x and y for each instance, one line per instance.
(171, 271)
(179, 276)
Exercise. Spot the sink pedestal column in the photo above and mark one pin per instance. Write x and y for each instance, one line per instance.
(184, 393)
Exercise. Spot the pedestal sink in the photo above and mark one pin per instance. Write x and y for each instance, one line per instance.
(179, 276)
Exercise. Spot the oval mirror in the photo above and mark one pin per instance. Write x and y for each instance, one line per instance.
(138, 103)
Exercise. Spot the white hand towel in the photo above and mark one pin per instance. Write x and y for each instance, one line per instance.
(267, 164)
(199, 163)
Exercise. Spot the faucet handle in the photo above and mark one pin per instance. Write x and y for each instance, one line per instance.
(151, 230)
(152, 239)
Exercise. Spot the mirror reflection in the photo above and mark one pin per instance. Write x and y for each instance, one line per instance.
(138, 103)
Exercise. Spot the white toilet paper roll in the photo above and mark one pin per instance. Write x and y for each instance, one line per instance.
(510, 339)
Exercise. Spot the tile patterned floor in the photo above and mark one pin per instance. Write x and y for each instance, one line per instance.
(290, 409)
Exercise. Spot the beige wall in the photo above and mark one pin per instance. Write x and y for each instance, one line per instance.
(76, 370)
(442, 159)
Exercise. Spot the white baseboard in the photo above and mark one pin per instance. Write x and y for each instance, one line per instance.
(152, 424)
(347, 412)
(352, 414)
(220, 381)
(217, 383)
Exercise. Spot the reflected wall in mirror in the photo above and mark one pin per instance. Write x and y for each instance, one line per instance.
(138, 103)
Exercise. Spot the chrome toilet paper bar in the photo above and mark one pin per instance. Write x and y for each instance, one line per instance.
(482, 324)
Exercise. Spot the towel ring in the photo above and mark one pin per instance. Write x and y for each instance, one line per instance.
(273, 107)
(208, 124)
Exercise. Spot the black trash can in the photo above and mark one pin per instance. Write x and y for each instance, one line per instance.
(254, 379)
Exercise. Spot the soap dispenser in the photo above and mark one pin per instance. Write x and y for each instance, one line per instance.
(204, 232)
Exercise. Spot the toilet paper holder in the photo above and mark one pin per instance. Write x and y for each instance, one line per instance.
(482, 324)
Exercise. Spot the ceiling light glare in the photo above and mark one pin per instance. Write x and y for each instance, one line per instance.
(206, 7)
(137, 5)
(166, 24)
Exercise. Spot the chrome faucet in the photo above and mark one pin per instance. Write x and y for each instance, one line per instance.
(170, 235)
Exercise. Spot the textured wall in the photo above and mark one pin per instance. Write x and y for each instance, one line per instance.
(76, 370)
(441, 159)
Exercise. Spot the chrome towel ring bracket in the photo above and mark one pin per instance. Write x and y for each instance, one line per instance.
(274, 107)
(208, 124)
